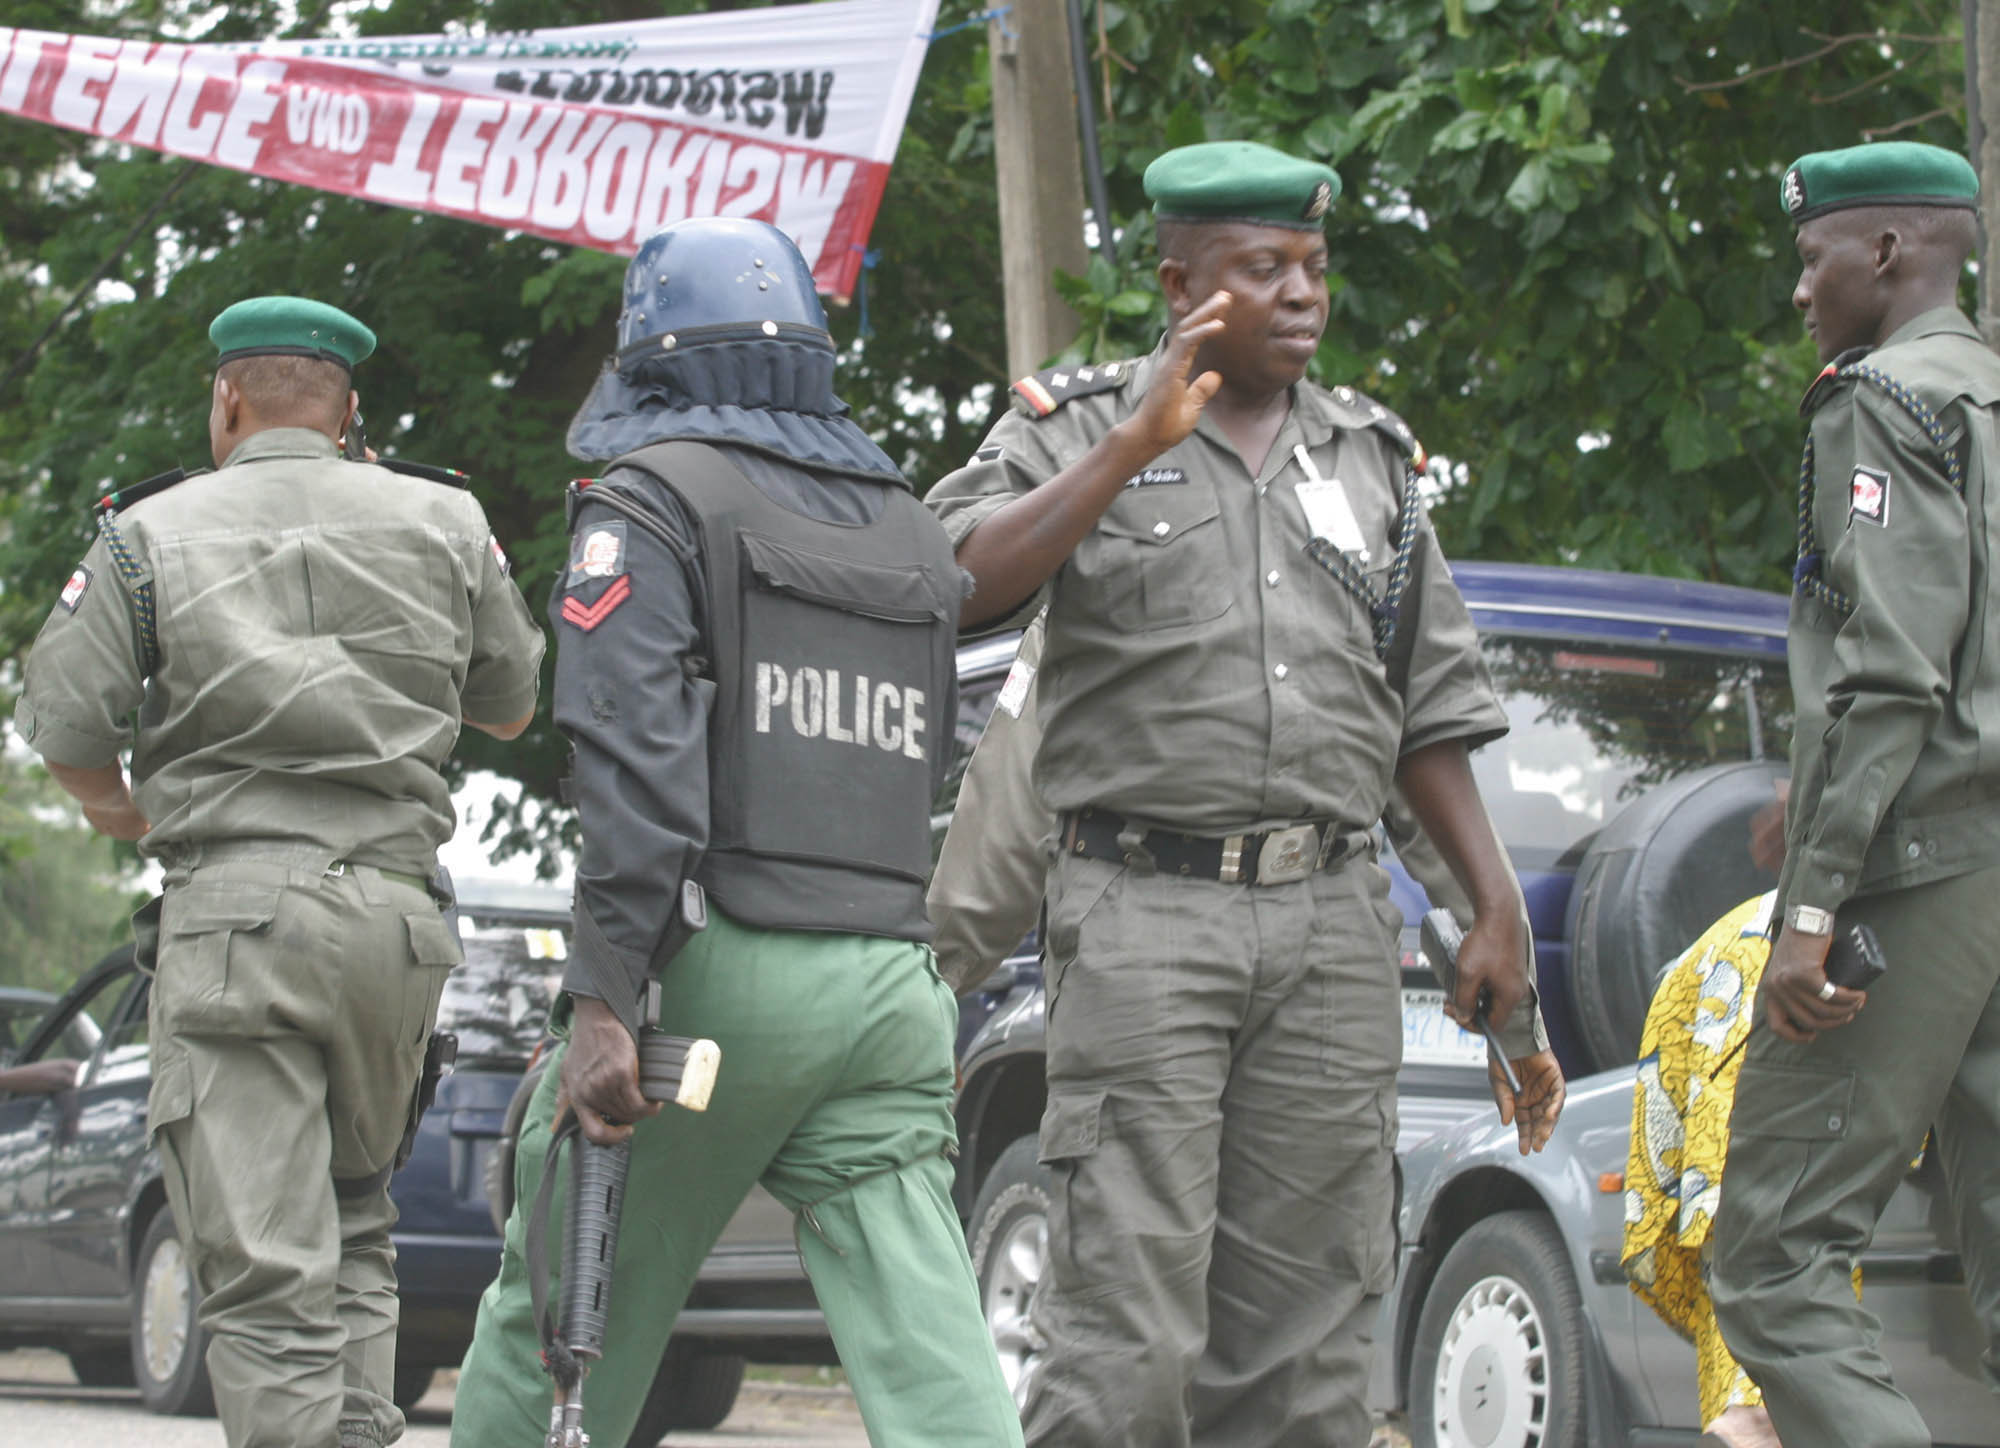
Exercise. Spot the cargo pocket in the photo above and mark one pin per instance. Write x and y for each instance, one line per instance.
(200, 925)
(1070, 1135)
(434, 950)
(171, 1097)
(1792, 1103)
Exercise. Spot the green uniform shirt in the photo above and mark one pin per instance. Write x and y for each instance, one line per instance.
(323, 628)
(1896, 752)
(1202, 672)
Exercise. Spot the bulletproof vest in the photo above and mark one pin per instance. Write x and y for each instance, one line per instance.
(832, 647)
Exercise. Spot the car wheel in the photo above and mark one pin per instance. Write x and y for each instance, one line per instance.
(1010, 1253)
(1498, 1360)
(499, 1178)
(168, 1344)
(1657, 876)
(413, 1380)
(691, 1390)
(102, 1367)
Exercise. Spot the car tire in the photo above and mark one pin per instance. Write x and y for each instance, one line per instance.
(103, 1366)
(169, 1347)
(413, 1380)
(499, 1177)
(1499, 1353)
(1658, 875)
(693, 1390)
(1009, 1234)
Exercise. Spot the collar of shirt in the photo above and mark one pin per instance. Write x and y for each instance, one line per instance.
(1936, 322)
(1318, 413)
(282, 442)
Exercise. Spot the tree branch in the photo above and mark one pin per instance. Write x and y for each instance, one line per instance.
(1833, 43)
(1870, 133)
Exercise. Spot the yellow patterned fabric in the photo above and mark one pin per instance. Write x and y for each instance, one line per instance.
(1688, 1061)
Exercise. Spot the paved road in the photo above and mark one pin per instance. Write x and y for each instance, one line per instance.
(40, 1403)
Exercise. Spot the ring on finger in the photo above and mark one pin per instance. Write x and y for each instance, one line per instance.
(1826, 990)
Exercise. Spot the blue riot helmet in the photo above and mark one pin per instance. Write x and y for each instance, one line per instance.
(715, 271)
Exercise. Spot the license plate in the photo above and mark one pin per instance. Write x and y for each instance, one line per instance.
(1434, 1038)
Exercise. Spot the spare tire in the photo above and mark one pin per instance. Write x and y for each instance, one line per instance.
(1658, 875)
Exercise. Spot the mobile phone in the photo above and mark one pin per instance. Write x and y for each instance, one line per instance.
(356, 448)
(1855, 958)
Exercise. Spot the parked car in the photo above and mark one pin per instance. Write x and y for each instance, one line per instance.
(21, 1008)
(90, 1258)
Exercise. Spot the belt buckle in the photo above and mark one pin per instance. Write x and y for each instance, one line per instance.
(1288, 855)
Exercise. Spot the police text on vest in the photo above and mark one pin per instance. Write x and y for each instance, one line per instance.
(886, 715)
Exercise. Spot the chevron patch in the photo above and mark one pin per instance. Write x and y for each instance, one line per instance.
(588, 616)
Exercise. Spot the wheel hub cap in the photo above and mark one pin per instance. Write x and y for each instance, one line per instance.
(163, 1322)
(1492, 1387)
(1019, 1259)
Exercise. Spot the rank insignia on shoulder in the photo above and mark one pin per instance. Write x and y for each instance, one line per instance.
(499, 556)
(991, 453)
(1868, 497)
(588, 616)
(74, 590)
(124, 498)
(1156, 477)
(1044, 392)
(1388, 424)
(429, 472)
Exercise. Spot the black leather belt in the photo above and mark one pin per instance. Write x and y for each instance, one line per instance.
(1267, 857)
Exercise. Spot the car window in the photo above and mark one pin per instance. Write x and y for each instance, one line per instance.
(123, 1053)
(1595, 724)
(84, 1020)
(497, 1003)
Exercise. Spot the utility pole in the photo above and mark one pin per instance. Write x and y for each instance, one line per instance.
(1040, 174)
(1982, 140)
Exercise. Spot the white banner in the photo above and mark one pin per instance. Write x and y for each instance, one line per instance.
(596, 135)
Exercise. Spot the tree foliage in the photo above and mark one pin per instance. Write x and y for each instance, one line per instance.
(1559, 255)
(66, 894)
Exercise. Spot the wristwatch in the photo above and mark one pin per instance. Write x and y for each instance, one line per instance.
(1810, 920)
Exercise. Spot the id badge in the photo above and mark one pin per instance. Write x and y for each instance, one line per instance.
(1328, 513)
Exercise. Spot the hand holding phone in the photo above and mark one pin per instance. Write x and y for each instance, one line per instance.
(1854, 960)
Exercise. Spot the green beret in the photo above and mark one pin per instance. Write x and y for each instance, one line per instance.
(291, 327)
(1240, 181)
(1882, 173)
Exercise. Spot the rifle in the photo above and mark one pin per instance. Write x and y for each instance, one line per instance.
(676, 1069)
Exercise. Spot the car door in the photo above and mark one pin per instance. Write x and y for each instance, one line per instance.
(30, 1127)
(100, 1152)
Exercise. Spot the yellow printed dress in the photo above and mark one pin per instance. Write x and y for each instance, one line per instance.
(1688, 1061)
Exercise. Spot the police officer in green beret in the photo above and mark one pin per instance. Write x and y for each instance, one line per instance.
(1252, 638)
(288, 646)
(1894, 814)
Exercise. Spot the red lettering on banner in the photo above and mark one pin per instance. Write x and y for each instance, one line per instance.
(76, 100)
(140, 91)
(585, 174)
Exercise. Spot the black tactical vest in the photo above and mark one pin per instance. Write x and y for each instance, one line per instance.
(833, 651)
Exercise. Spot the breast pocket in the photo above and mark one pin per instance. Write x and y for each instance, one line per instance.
(1156, 563)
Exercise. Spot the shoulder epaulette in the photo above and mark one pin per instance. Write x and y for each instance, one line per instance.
(429, 472)
(123, 498)
(1832, 372)
(1044, 392)
(1898, 392)
(1374, 414)
(572, 497)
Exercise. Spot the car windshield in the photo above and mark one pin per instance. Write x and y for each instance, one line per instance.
(498, 1001)
(1596, 724)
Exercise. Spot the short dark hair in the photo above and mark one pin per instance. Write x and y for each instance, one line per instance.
(281, 388)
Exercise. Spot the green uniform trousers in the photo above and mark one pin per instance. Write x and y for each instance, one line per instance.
(835, 1092)
(1221, 1127)
(288, 1017)
(1820, 1137)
